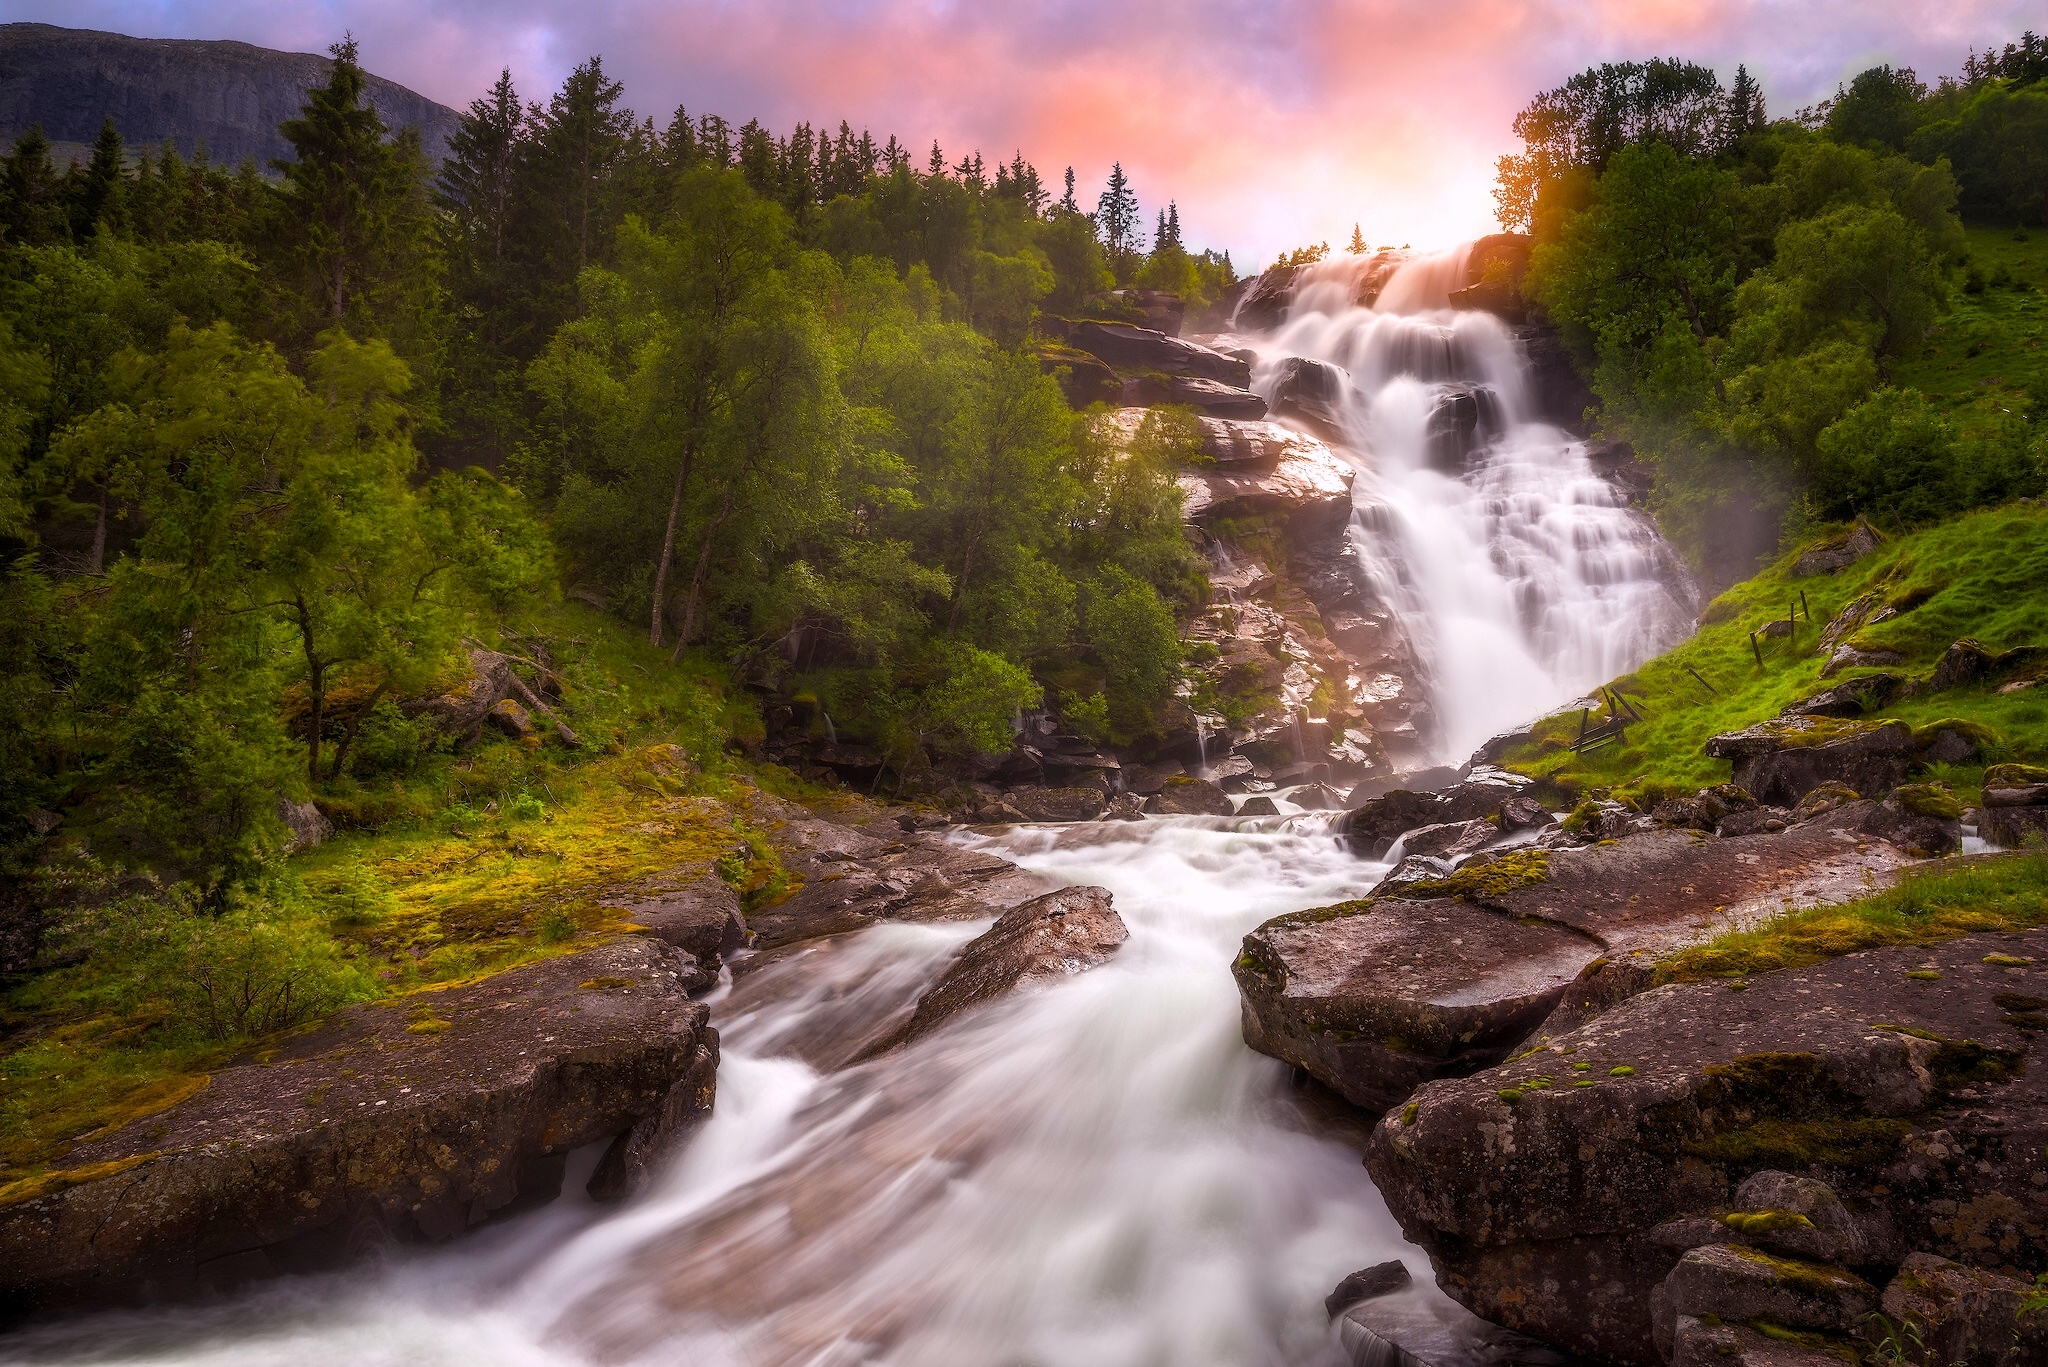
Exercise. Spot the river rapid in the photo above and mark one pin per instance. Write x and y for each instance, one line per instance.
(1095, 1174)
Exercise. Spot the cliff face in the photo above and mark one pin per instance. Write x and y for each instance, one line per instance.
(229, 96)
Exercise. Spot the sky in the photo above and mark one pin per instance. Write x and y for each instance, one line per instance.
(1271, 123)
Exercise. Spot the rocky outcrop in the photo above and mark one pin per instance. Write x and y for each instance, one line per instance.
(230, 97)
(1212, 397)
(1131, 350)
(1967, 1314)
(1047, 938)
(1852, 698)
(700, 916)
(1494, 267)
(1440, 976)
(1266, 299)
(1162, 310)
(411, 1120)
(1782, 760)
(1558, 1192)
(1308, 485)
(1083, 378)
(1374, 824)
(2015, 806)
(1838, 552)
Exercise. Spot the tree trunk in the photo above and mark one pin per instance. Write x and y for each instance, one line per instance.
(354, 723)
(668, 548)
(99, 538)
(960, 588)
(316, 690)
(689, 626)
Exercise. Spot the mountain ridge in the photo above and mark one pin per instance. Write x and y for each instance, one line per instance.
(229, 96)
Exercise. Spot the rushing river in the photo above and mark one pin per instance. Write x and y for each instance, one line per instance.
(1095, 1174)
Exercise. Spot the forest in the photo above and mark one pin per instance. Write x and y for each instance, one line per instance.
(1787, 315)
(279, 441)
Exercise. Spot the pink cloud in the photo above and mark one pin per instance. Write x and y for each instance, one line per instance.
(1271, 124)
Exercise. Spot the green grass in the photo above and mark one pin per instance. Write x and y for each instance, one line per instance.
(1982, 575)
(1952, 898)
(1993, 341)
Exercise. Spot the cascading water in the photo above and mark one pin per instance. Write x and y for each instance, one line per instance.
(1095, 1174)
(1519, 576)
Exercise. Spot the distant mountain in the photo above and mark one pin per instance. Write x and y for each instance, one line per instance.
(229, 96)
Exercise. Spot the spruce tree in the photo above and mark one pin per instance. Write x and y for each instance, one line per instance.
(1745, 108)
(1067, 201)
(353, 220)
(100, 195)
(29, 207)
(1357, 247)
(1116, 217)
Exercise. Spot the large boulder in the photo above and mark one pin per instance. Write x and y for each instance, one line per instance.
(1264, 304)
(1181, 795)
(699, 914)
(1781, 760)
(1061, 804)
(1967, 1315)
(1163, 310)
(411, 1120)
(1438, 975)
(1251, 445)
(1556, 1193)
(1132, 349)
(1047, 938)
(1376, 823)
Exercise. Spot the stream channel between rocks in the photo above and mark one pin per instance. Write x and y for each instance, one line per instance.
(1090, 1174)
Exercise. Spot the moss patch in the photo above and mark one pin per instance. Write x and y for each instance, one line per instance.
(1802, 1143)
(2009, 892)
(1477, 882)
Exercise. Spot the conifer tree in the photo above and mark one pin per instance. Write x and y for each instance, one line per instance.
(1357, 247)
(353, 220)
(101, 191)
(1745, 111)
(1067, 201)
(478, 185)
(29, 206)
(1116, 216)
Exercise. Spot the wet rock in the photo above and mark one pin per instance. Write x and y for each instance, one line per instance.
(1436, 975)
(1714, 1343)
(1317, 797)
(1920, 819)
(1542, 1200)
(411, 1120)
(1081, 769)
(1249, 445)
(1753, 821)
(1258, 805)
(2015, 804)
(1312, 393)
(1839, 552)
(1128, 348)
(1185, 796)
(1705, 810)
(1967, 1315)
(309, 825)
(1465, 419)
(1023, 766)
(1378, 1280)
(1851, 698)
(1373, 824)
(1125, 807)
(1524, 814)
(1050, 937)
(1781, 760)
(1414, 1329)
(1309, 486)
(1060, 804)
(1212, 397)
(1266, 301)
(1450, 839)
(1626, 473)
(1553, 378)
(701, 917)
(1494, 269)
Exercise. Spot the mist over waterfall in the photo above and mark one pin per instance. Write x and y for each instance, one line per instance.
(1519, 575)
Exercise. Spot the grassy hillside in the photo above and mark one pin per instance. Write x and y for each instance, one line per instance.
(1984, 575)
(1991, 341)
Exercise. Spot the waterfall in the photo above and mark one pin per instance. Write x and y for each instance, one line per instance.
(1518, 575)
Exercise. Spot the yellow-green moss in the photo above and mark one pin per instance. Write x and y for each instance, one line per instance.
(1804, 1143)
(1476, 882)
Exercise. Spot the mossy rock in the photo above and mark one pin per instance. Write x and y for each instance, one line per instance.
(1929, 799)
(2014, 775)
(1475, 882)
